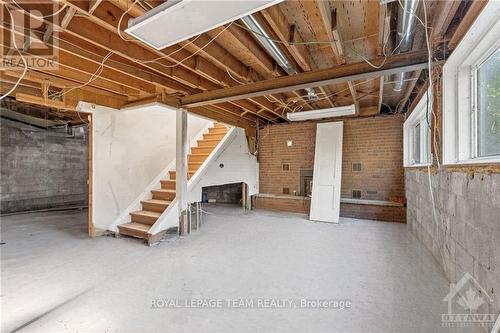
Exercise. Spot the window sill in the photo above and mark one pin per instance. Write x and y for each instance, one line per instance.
(475, 161)
(418, 165)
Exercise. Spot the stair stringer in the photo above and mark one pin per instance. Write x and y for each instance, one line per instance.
(239, 166)
(154, 185)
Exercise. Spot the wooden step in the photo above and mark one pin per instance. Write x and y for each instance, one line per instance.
(145, 217)
(155, 205)
(197, 157)
(172, 174)
(168, 184)
(213, 136)
(201, 150)
(208, 143)
(219, 125)
(138, 230)
(215, 130)
(194, 166)
(168, 195)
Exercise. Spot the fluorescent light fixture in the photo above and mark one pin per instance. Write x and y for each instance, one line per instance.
(322, 113)
(177, 20)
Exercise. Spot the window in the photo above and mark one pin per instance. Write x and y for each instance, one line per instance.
(471, 94)
(416, 129)
(356, 167)
(286, 190)
(356, 194)
(285, 167)
(487, 110)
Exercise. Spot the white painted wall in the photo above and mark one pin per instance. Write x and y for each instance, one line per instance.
(239, 166)
(131, 148)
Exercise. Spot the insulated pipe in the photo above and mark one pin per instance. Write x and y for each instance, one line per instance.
(275, 52)
(406, 25)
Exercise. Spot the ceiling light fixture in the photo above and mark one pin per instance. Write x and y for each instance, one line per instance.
(348, 110)
(178, 20)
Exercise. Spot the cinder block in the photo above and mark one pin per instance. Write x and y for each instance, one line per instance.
(464, 260)
(458, 183)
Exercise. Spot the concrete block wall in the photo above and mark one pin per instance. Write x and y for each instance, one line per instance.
(465, 236)
(41, 168)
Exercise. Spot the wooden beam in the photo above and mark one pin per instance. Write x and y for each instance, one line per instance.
(358, 71)
(329, 19)
(287, 33)
(472, 13)
(444, 13)
(93, 4)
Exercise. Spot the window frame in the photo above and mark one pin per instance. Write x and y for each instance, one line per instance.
(475, 102)
(459, 103)
(420, 116)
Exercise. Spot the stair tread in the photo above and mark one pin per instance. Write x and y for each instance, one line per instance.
(197, 155)
(136, 226)
(215, 140)
(157, 201)
(164, 190)
(146, 213)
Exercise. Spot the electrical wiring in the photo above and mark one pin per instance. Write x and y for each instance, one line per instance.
(173, 52)
(44, 16)
(176, 63)
(118, 30)
(93, 77)
(25, 70)
(241, 82)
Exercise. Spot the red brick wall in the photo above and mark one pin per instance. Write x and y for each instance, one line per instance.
(375, 142)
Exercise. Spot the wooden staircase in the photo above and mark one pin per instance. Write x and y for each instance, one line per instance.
(142, 220)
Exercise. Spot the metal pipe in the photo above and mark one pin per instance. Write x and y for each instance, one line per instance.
(406, 25)
(273, 49)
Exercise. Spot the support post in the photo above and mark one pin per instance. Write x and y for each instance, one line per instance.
(181, 148)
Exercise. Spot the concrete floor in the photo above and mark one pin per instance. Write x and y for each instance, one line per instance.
(54, 279)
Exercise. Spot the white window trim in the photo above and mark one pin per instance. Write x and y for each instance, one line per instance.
(418, 116)
(459, 139)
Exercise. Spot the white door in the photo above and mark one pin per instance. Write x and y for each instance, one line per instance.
(325, 202)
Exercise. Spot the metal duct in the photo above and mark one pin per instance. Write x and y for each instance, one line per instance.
(275, 52)
(406, 26)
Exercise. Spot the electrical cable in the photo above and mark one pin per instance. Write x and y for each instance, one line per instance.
(93, 77)
(118, 30)
(25, 70)
(44, 16)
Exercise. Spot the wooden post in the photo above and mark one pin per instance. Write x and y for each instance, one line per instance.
(181, 169)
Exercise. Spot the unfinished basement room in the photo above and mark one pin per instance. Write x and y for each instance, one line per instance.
(250, 166)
